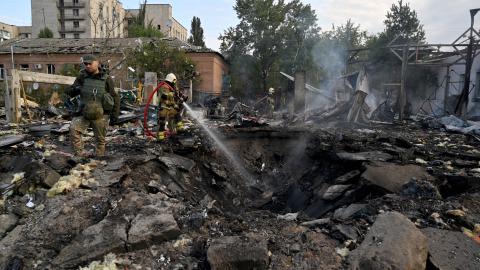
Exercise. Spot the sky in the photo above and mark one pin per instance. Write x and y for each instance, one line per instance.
(443, 21)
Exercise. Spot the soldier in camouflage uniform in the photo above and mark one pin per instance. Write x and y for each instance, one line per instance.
(99, 104)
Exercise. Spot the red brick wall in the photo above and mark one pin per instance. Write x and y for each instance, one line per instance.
(211, 67)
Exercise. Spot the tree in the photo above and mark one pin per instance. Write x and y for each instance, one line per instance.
(139, 28)
(271, 35)
(45, 33)
(196, 32)
(330, 52)
(144, 31)
(157, 56)
(403, 25)
(403, 21)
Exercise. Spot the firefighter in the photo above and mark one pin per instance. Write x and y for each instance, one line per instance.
(170, 101)
(99, 104)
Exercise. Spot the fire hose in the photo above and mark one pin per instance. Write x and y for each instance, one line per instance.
(146, 131)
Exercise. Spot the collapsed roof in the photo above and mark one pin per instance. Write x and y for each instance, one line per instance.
(88, 45)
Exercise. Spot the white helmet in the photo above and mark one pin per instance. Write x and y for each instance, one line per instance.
(171, 78)
(271, 91)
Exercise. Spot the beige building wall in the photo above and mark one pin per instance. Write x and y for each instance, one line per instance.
(78, 18)
(7, 31)
(161, 17)
(24, 32)
(179, 31)
(106, 19)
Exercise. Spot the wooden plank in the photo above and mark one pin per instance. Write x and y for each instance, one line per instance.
(299, 106)
(28, 76)
(12, 98)
(12, 94)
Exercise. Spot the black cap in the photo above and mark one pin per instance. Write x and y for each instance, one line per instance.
(89, 58)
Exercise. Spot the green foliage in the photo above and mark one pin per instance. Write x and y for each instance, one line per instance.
(157, 56)
(139, 28)
(196, 32)
(70, 70)
(330, 52)
(348, 35)
(271, 36)
(45, 33)
(401, 24)
(403, 21)
(149, 30)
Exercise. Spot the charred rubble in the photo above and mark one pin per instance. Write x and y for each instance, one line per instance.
(315, 196)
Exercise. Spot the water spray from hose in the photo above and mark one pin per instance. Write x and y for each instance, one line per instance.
(223, 148)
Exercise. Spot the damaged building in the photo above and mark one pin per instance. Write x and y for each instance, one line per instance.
(51, 56)
(339, 177)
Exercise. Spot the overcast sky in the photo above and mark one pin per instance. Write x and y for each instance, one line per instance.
(443, 21)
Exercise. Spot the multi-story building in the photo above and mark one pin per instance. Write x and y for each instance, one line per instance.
(161, 17)
(8, 31)
(78, 18)
(24, 31)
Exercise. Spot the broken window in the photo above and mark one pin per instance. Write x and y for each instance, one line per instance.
(75, 2)
(62, 35)
(2, 72)
(159, 27)
(50, 68)
(76, 12)
(76, 24)
(76, 35)
(24, 67)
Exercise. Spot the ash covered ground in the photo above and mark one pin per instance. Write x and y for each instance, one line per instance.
(311, 196)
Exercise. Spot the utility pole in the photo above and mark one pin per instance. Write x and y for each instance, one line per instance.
(462, 105)
(402, 97)
(447, 90)
(44, 22)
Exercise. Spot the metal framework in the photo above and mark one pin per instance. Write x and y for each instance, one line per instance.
(466, 47)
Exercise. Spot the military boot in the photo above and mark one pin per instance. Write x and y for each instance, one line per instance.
(100, 150)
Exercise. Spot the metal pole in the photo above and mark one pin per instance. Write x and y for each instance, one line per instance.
(447, 90)
(462, 105)
(402, 98)
(13, 62)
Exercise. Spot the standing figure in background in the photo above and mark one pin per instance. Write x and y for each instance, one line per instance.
(270, 102)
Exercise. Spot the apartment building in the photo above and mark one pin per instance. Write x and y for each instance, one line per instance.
(161, 17)
(8, 31)
(79, 18)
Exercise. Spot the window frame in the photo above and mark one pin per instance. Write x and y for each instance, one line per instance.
(50, 68)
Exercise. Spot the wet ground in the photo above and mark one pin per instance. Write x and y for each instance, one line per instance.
(308, 200)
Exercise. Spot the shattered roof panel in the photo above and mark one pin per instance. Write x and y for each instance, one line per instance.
(87, 45)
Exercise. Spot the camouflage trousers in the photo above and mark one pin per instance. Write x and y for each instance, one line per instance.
(80, 125)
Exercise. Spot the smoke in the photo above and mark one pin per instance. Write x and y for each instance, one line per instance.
(330, 59)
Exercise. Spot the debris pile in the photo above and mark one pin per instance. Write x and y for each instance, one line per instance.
(385, 196)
